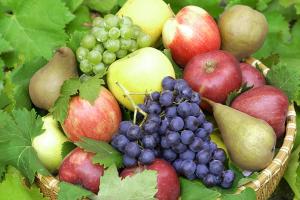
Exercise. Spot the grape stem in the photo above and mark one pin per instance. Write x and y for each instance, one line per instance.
(127, 94)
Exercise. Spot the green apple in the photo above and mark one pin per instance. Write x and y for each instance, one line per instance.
(139, 72)
(150, 15)
(49, 144)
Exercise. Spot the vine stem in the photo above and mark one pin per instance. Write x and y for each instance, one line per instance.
(127, 94)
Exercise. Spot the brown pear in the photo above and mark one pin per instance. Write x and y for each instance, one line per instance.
(45, 84)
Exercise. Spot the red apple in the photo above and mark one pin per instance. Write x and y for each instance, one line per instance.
(99, 121)
(213, 74)
(78, 168)
(191, 32)
(167, 181)
(252, 76)
(267, 103)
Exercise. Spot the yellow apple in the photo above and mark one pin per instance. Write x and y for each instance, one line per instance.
(49, 144)
(150, 15)
(139, 72)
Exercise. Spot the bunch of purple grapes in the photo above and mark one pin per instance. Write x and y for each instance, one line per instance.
(177, 131)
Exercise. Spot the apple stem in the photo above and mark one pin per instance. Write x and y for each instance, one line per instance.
(136, 108)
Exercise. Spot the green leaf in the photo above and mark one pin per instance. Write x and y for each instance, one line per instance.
(292, 173)
(232, 95)
(139, 186)
(177, 69)
(2, 171)
(67, 148)
(102, 6)
(69, 191)
(32, 29)
(14, 187)
(90, 89)
(212, 6)
(247, 194)
(79, 23)
(17, 132)
(297, 139)
(4, 45)
(105, 154)
(251, 3)
(262, 4)
(192, 190)
(288, 3)
(73, 4)
(287, 79)
(75, 40)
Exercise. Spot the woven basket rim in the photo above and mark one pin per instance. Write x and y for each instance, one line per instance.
(265, 176)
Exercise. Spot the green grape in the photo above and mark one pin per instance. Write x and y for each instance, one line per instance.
(126, 32)
(112, 45)
(114, 33)
(98, 22)
(133, 46)
(88, 41)
(136, 31)
(84, 77)
(108, 57)
(121, 53)
(111, 20)
(125, 44)
(85, 66)
(144, 40)
(126, 21)
(101, 35)
(94, 57)
(81, 53)
(99, 48)
(94, 30)
(99, 68)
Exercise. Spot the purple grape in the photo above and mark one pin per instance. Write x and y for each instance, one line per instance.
(187, 155)
(156, 137)
(212, 146)
(206, 146)
(166, 98)
(169, 155)
(124, 126)
(195, 111)
(171, 111)
(201, 118)
(154, 118)
(173, 138)
(187, 137)
(176, 124)
(179, 148)
(164, 143)
(155, 96)
(195, 98)
(129, 161)
(228, 178)
(201, 133)
(218, 180)
(180, 84)
(209, 180)
(151, 126)
(191, 176)
(216, 167)
(164, 126)
(149, 141)
(219, 154)
(184, 109)
(157, 153)
(201, 171)
(146, 156)
(154, 108)
(132, 149)
(119, 142)
(188, 167)
(203, 156)
(208, 127)
(168, 83)
(177, 165)
(196, 145)
(133, 133)
(187, 92)
(191, 123)
(143, 107)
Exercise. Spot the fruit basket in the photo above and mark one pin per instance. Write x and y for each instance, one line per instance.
(267, 179)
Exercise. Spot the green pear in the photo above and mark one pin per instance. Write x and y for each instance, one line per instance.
(49, 144)
(250, 142)
(45, 84)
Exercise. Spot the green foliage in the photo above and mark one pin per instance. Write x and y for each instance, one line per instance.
(247, 194)
(17, 132)
(67, 148)
(177, 69)
(14, 187)
(142, 184)
(73, 4)
(81, 20)
(232, 95)
(288, 3)
(75, 39)
(69, 191)
(2, 171)
(104, 6)
(105, 154)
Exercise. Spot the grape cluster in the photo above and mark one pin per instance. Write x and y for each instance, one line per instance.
(110, 38)
(176, 130)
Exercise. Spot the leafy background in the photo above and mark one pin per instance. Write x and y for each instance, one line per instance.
(31, 30)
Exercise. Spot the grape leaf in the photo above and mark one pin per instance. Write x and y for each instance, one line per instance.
(67, 148)
(288, 3)
(105, 154)
(16, 134)
(2, 171)
(232, 95)
(75, 40)
(69, 191)
(14, 187)
(247, 194)
(177, 69)
(79, 23)
(214, 7)
(139, 186)
(103, 6)
(262, 4)
(297, 139)
(73, 4)
(4, 45)
(89, 89)
(34, 28)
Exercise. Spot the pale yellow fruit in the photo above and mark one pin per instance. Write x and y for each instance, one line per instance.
(139, 72)
(49, 144)
(150, 15)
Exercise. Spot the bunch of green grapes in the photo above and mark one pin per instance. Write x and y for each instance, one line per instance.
(110, 38)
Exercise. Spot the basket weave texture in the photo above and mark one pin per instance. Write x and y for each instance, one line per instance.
(267, 180)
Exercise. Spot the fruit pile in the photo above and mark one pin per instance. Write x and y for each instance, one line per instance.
(110, 38)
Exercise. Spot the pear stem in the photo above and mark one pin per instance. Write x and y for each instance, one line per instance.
(136, 108)
(210, 102)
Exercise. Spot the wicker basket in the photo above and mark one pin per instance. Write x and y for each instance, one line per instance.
(265, 183)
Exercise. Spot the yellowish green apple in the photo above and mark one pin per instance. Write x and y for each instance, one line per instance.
(139, 72)
(49, 144)
(150, 15)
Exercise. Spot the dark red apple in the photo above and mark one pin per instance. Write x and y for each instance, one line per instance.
(252, 76)
(99, 121)
(78, 168)
(267, 103)
(191, 32)
(167, 180)
(213, 74)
